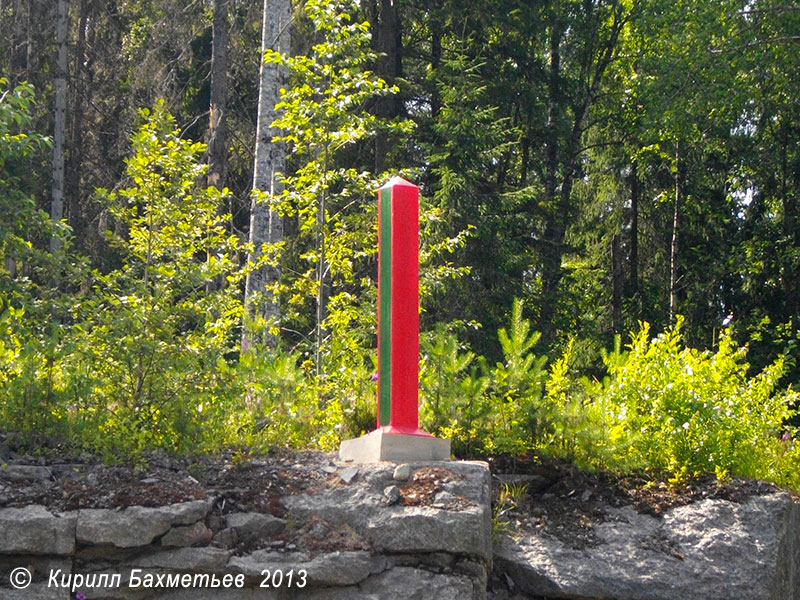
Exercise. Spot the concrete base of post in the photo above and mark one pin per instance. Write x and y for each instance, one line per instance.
(394, 447)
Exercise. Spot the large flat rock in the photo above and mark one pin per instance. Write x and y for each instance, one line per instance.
(708, 550)
(35, 530)
(136, 525)
(328, 570)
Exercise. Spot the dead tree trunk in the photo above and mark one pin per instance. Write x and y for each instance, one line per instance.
(616, 285)
(60, 127)
(75, 212)
(217, 139)
(216, 136)
(673, 248)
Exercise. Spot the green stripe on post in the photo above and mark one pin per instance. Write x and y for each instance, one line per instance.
(384, 305)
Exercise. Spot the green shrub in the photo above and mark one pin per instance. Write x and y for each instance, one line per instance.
(684, 412)
(663, 408)
(454, 403)
(31, 341)
(580, 419)
(31, 381)
(141, 360)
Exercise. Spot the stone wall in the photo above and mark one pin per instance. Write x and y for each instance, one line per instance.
(430, 541)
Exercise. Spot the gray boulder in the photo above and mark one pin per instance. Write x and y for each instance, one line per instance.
(709, 550)
(136, 525)
(34, 530)
(188, 535)
(333, 570)
(251, 527)
(40, 591)
(404, 582)
(186, 559)
(462, 527)
(25, 473)
(428, 529)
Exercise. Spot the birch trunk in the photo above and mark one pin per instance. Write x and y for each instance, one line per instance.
(59, 129)
(270, 158)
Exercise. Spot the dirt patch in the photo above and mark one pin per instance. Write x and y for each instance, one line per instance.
(424, 484)
(318, 536)
(239, 484)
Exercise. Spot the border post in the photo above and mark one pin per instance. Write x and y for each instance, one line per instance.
(398, 307)
(398, 437)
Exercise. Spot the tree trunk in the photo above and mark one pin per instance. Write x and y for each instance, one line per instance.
(673, 248)
(633, 279)
(789, 274)
(616, 285)
(436, 60)
(19, 53)
(388, 45)
(266, 226)
(217, 138)
(323, 279)
(78, 102)
(59, 129)
(555, 228)
(563, 154)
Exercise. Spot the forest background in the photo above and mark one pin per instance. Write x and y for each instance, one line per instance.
(592, 172)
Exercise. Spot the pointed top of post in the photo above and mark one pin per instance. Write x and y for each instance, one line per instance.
(397, 181)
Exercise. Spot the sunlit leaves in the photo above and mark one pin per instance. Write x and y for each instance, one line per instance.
(685, 412)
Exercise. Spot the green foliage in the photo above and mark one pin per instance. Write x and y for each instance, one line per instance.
(159, 330)
(486, 409)
(663, 407)
(509, 497)
(684, 412)
(529, 168)
(327, 282)
(31, 344)
(281, 398)
(142, 360)
(328, 279)
(518, 384)
(581, 420)
(454, 392)
(25, 270)
(31, 381)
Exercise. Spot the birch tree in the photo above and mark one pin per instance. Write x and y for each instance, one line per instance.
(266, 226)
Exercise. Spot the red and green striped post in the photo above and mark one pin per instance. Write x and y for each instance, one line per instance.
(398, 307)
